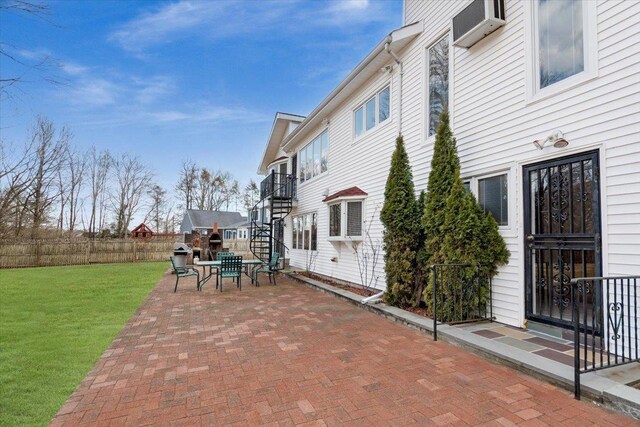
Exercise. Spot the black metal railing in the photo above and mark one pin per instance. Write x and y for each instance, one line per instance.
(605, 323)
(461, 293)
(278, 185)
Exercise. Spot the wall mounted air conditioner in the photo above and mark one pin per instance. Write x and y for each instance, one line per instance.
(476, 21)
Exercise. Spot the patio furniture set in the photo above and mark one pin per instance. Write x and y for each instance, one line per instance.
(227, 265)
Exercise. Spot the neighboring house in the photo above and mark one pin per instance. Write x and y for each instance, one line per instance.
(569, 71)
(230, 224)
(142, 231)
(237, 231)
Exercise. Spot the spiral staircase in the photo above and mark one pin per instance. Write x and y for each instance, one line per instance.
(266, 231)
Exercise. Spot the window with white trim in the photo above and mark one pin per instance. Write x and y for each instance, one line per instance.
(305, 232)
(492, 193)
(346, 219)
(313, 157)
(372, 112)
(559, 37)
(438, 80)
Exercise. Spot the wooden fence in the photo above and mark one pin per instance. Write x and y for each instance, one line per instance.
(45, 253)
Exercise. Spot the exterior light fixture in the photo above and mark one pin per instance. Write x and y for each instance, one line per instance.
(557, 138)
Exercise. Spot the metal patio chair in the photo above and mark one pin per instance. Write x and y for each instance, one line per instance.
(230, 266)
(270, 268)
(184, 272)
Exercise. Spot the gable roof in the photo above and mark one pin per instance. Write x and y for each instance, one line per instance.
(206, 219)
(142, 227)
(347, 192)
(278, 131)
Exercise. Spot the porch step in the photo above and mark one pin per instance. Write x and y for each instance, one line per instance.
(554, 331)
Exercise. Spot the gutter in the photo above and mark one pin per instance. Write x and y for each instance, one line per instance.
(361, 66)
(387, 48)
(403, 35)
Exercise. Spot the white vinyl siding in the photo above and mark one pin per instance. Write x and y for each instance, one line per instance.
(494, 124)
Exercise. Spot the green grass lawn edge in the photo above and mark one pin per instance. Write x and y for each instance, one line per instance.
(55, 322)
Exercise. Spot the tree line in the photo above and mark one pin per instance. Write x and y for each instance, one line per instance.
(51, 188)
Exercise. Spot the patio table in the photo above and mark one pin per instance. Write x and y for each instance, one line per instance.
(216, 264)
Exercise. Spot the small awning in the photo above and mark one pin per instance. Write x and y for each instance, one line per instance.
(346, 193)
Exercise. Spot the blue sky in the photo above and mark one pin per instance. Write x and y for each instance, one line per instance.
(171, 80)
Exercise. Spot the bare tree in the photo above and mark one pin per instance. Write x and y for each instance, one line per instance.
(132, 178)
(250, 195)
(43, 64)
(76, 166)
(15, 177)
(187, 183)
(203, 186)
(157, 206)
(367, 253)
(49, 153)
(99, 166)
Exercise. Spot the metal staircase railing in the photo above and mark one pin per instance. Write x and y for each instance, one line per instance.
(277, 192)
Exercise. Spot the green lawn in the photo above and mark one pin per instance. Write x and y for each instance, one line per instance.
(55, 322)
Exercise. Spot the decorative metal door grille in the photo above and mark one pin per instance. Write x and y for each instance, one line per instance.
(562, 229)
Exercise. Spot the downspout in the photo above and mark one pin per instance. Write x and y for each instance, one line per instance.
(373, 298)
(387, 47)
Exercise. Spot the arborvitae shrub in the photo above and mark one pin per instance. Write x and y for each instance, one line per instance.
(398, 215)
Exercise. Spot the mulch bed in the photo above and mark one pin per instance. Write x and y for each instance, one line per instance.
(354, 289)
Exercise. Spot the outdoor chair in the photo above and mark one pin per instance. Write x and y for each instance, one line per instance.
(184, 272)
(270, 268)
(230, 266)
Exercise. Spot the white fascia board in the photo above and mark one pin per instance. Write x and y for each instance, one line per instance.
(278, 123)
(397, 40)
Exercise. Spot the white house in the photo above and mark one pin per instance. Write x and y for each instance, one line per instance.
(546, 112)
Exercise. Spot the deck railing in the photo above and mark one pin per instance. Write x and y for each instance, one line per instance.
(605, 323)
(279, 185)
(461, 293)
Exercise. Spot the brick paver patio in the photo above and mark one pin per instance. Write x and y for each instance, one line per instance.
(290, 355)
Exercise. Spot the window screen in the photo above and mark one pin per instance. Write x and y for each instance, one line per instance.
(494, 198)
(354, 218)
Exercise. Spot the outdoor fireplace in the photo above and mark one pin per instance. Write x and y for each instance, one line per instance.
(215, 242)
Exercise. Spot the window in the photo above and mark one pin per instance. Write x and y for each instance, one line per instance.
(372, 113)
(438, 60)
(345, 219)
(335, 217)
(467, 185)
(560, 40)
(383, 104)
(314, 231)
(314, 157)
(305, 232)
(354, 218)
(494, 197)
(294, 231)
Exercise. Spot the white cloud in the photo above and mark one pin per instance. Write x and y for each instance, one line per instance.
(209, 113)
(94, 92)
(73, 69)
(149, 89)
(222, 19)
